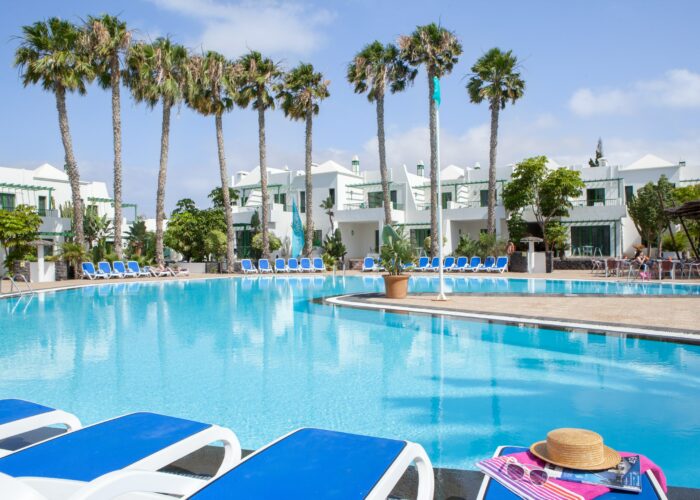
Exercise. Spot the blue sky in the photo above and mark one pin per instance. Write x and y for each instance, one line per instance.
(626, 71)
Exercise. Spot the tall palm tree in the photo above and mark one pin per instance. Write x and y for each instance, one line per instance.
(495, 78)
(211, 91)
(106, 40)
(299, 95)
(258, 79)
(157, 73)
(48, 54)
(327, 206)
(372, 70)
(438, 49)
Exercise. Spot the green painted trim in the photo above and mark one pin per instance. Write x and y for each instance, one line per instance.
(25, 187)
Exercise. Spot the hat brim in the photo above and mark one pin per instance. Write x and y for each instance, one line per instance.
(610, 458)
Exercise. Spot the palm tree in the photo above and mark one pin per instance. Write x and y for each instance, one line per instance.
(327, 206)
(372, 69)
(106, 40)
(258, 79)
(438, 49)
(48, 54)
(211, 91)
(157, 72)
(495, 78)
(300, 94)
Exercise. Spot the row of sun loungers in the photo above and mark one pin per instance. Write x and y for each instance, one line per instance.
(460, 264)
(131, 270)
(123, 457)
(304, 265)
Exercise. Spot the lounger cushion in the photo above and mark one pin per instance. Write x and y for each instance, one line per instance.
(17, 409)
(310, 463)
(88, 453)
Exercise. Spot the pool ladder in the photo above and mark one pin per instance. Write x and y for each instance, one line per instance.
(14, 288)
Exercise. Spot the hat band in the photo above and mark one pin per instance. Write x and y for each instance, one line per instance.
(575, 454)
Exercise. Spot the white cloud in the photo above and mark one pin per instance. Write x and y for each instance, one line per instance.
(269, 26)
(677, 88)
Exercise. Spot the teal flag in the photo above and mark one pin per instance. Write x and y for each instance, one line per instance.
(297, 231)
(436, 92)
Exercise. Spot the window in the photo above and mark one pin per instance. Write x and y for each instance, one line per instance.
(590, 240)
(418, 236)
(42, 205)
(302, 201)
(7, 201)
(484, 197)
(374, 200)
(393, 198)
(280, 198)
(446, 199)
(629, 193)
(331, 195)
(376, 240)
(318, 236)
(595, 196)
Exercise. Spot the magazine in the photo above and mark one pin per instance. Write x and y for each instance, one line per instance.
(627, 475)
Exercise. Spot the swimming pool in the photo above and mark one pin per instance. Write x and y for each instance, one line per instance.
(256, 355)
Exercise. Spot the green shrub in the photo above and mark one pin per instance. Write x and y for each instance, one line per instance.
(681, 244)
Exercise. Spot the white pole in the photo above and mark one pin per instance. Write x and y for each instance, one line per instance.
(441, 294)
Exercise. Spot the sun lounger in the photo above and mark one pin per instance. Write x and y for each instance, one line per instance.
(307, 463)
(145, 442)
(105, 268)
(318, 264)
(434, 264)
(18, 417)
(493, 490)
(500, 266)
(293, 265)
(280, 266)
(408, 266)
(120, 268)
(423, 264)
(449, 264)
(136, 269)
(158, 273)
(178, 271)
(247, 267)
(306, 265)
(488, 264)
(264, 266)
(90, 273)
(368, 264)
(461, 265)
(474, 264)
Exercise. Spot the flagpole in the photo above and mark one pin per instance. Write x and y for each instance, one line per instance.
(437, 98)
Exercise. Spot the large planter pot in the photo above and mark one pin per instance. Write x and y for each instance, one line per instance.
(396, 287)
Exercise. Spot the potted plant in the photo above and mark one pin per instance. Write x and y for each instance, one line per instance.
(396, 250)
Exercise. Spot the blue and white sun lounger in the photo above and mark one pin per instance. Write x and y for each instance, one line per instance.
(461, 264)
(368, 264)
(474, 264)
(434, 264)
(18, 417)
(489, 264)
(500, 266)
(63, 465)
(90, 272)
(318, 264)
(280, 266)
(449, 264)
(293, 265)
(120, 268)
(105, 268)
(307, 463)
(423, 264)
(306, 265)
(264, 266)
(247, 267)
(136, 269)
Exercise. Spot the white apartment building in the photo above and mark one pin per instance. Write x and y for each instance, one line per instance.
(598, 222)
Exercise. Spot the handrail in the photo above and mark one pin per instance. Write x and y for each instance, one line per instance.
(26, 282)
(13, 284)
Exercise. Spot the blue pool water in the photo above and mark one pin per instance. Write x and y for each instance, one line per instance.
(258, 356)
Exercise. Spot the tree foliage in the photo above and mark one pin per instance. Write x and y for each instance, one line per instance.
(217, 197)
(547, 192)
(377, 67)
(140, 241)
(396, 249)
(18, 227)
(645, 209)
(333, 247)
(595, 162)
(196, 234)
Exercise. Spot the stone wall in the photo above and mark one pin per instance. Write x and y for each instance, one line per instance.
(573, 264)
(61, 270)
(21, 268)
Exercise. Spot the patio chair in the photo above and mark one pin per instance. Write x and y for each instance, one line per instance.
(434, 264)
(474, 264)
(305, 263)
(368, 264)
(449, 264)
(247, 267)
(318, 265)
(293, 265)
(461, 264)
(280, 266)
(500, 266)
(489, 264)
(120, 268)
(146, 442)
(105, 268)
(91, 273)
(307, 463)
(423, 264)
(136, 269)
(264, 266)
(666, 267)
(18, 417)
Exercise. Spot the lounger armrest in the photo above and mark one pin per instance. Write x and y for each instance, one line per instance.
(412, 453)
(122, 482)
(14, 488)
(41, 420)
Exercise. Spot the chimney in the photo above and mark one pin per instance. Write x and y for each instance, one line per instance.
(681, 163)
(355, 165)
(603, 161)
(477, 166)
(420, 169)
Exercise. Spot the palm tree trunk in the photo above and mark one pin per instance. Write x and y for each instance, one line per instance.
(491, 221)
(228, 213)
(382, 159)
(117, 133)
(309, 239)
(162, 172)
(263, 180)
(434, 249)
(71, 166)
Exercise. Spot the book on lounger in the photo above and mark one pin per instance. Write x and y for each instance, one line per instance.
(627, 475)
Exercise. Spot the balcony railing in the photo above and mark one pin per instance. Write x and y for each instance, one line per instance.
(608, 202)
(361, 205)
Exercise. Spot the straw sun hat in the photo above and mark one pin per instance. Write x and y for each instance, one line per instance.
(576, 449)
